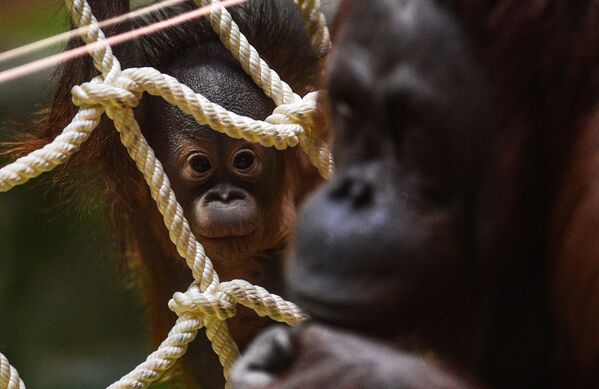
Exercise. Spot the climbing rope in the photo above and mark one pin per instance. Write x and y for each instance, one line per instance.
(207, 302)
(9, 378)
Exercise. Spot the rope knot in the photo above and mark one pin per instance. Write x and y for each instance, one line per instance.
(222, 302)
(296, 115)
(121, 94)
(298, 111)
(218, 304)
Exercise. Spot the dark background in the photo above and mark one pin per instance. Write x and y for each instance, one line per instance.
(68, 319)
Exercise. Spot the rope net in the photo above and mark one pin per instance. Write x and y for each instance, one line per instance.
(207, 302)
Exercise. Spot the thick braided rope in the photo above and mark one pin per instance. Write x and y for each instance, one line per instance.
(53, 154)
(236, 291)
(207, 302)
(104, 60)
(280, 136)
(247, 56)
(170, 350)
(316, 24)
(9, 377)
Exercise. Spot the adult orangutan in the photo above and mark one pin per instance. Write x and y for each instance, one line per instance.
(239, 198)
(457, 244)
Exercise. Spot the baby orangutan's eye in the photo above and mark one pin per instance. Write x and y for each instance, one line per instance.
(200, 163)
(244, 161)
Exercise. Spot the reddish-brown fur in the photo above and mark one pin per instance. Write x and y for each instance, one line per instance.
(546, 54)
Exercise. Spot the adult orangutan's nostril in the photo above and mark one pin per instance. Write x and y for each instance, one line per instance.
(358, 192)
(341, 189)
(361, 195)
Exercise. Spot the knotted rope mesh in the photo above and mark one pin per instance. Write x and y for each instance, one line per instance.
(207, 302)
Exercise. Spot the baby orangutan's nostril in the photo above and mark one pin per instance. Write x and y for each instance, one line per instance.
(224, 195)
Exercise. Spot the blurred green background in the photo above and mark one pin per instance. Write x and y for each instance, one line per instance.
(67, 317)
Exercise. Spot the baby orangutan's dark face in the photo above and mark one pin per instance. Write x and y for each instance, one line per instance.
(226, 186)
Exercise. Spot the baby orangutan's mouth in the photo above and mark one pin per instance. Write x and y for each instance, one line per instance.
(220, 221)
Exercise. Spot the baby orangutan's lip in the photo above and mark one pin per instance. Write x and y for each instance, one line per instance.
(220, 221)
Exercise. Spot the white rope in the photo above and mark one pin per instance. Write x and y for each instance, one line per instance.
(316, 23)
(9, 377)
(246, 54)
(207, 302)
(53, 154)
